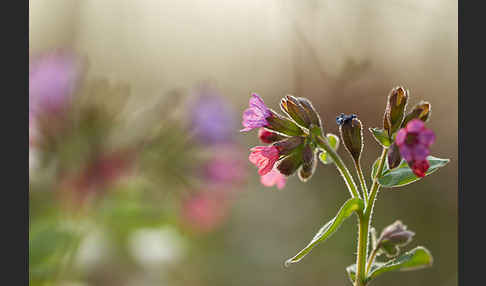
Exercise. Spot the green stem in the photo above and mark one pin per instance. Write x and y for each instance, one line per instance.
(362, 181)
(371, 259)
(364, 223)
(348, 179)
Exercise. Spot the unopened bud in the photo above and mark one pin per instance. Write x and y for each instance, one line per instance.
(288, 145)
(309, 163)
(311, 111)
(278, 123)
(351, 132)
(395, 109)
(393, 237)
(420, 111)
(269, 137)
(394, 157)
(295, 110)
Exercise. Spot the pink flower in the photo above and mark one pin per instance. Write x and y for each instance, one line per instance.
(413, 142)
(272, 178)
(264, 157)
(256, 115)
(204, 211)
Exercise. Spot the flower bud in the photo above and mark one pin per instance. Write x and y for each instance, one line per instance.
(278, 123)
(268, 137)
(395, 109)
(291, 163)
(309, 163)
(288, 145)
(393, 237)
(311, 111)
(351, 134)
(394, 157)
(295, 110)
(420, 111)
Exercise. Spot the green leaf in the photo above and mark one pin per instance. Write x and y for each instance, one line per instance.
(350, 206)
(381, 136)
(334, 143)
(403, 175)
(416, 258)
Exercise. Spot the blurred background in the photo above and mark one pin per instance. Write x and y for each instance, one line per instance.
(138, 172)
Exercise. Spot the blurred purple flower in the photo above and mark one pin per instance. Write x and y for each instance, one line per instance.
(413, 142)
(52, 78)
(212, 119)
(256, 115)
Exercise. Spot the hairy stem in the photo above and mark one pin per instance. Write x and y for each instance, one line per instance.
(348, 179)
(371, 259)
(362, 180)
(364, 223)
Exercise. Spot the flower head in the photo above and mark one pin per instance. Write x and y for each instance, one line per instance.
(413, 142)
(264, 157)
(272, 178)
(256, 115)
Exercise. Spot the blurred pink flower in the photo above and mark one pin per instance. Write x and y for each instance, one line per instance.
(204, 211)
(272, 178)
(101, 173)
(52, 79)
(225, 167)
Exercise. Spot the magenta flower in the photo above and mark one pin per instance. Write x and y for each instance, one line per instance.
(273, 178)
(256, 115)
(264, 157)
(413, 142)
(52, 79)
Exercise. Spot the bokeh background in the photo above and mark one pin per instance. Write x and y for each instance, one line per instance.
(139, 176)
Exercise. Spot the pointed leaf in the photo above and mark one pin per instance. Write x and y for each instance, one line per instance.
(403, 175)
(381, 136)
(350, 206)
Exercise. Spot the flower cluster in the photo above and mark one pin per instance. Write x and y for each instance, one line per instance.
(294, 142)
(409, 136)
(291, 148)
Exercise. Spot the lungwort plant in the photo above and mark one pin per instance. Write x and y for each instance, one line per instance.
(296, 142)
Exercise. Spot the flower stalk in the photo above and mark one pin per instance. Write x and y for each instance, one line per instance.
(299, 139)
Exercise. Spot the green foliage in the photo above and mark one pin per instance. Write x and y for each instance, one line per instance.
(403, 175)
(350, 206)
(334, 143)
(49, 243)
(416, 258)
